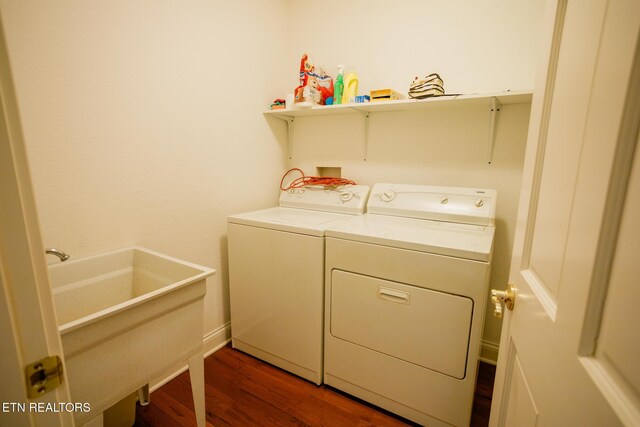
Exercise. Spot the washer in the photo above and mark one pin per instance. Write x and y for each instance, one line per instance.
(276, 276)
(405, 296)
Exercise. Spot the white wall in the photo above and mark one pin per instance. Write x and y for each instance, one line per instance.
(143, 122)
(488, 46)
(475, 46)
(143, 118)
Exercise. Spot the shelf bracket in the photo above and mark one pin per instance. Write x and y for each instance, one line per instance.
(495, 108)
(365, 123)
(289, 121)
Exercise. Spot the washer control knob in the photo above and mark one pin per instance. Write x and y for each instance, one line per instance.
(345, 196)
(444, 200)
(479, 203)
(388, 195)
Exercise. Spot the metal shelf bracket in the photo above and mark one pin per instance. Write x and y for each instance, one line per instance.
(365, 123)
(494, 109)
(289, 121)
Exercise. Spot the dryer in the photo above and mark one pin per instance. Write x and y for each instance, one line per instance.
(276, 275)
(405, 295)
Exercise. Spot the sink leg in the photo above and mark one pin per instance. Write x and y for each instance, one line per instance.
(196, 374)
(143, 395)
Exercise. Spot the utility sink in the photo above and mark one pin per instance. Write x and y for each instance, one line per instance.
(125, 318)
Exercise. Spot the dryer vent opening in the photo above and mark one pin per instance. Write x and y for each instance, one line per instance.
(329, 171)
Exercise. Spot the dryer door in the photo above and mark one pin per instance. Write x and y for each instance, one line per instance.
(421, 326)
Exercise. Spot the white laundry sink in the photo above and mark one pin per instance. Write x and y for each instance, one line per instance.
(126, 317)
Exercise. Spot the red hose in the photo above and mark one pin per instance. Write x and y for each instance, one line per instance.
(305, 181)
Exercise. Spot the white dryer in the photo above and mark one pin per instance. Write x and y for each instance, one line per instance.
(276, 275)
(405, 294)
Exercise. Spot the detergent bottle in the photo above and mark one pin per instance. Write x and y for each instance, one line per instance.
(338, 88)
(350, 87)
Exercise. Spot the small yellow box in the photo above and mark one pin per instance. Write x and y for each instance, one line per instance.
(385, 95)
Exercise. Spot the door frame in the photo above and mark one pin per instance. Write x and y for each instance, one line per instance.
(27, 320)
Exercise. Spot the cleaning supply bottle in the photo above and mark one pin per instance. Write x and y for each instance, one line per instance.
(350, 87)
(338, 88)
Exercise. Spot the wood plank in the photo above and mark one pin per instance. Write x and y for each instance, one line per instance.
(241, 390)
(484, 383)
(232, 399)
(153, 415)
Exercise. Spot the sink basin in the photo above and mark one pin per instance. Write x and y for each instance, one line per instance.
(125, 318)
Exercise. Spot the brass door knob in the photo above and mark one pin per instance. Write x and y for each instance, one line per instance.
(508, 297)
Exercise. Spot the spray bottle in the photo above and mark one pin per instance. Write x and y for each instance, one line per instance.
(338, 88)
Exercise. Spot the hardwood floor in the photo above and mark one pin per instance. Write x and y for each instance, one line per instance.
(243, 391)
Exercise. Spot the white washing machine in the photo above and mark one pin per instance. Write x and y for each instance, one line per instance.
(276, 276)
(405, 294)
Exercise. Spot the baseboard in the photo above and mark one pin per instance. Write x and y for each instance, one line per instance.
(489, 352)
(211, 343)
(216, 339)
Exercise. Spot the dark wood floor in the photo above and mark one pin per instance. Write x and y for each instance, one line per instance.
(243, 391)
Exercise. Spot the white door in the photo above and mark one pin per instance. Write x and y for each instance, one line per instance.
(28, 326)
(570, 349)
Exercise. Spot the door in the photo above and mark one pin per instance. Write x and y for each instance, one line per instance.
(27, 320)
(570, 348)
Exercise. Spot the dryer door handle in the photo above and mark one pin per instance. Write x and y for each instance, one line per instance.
(393, 295)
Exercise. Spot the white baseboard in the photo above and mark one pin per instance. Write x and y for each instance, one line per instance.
(217, 339)
(211, 343)
(489, 352)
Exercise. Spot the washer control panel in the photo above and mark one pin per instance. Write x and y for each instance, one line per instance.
(350, 199)
(451, 204)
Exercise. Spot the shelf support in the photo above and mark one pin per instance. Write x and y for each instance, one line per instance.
(289, 121)
(365, 123)
(495, 108)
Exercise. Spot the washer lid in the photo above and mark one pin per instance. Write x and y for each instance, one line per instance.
(347, 199)
(302, 221)
(452, 204)
(467, 241)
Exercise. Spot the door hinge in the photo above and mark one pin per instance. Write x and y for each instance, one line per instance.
(43, 376)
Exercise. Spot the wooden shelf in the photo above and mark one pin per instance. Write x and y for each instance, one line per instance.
(493, 101)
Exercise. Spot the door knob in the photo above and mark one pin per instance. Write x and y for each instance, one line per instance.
(508, 297)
